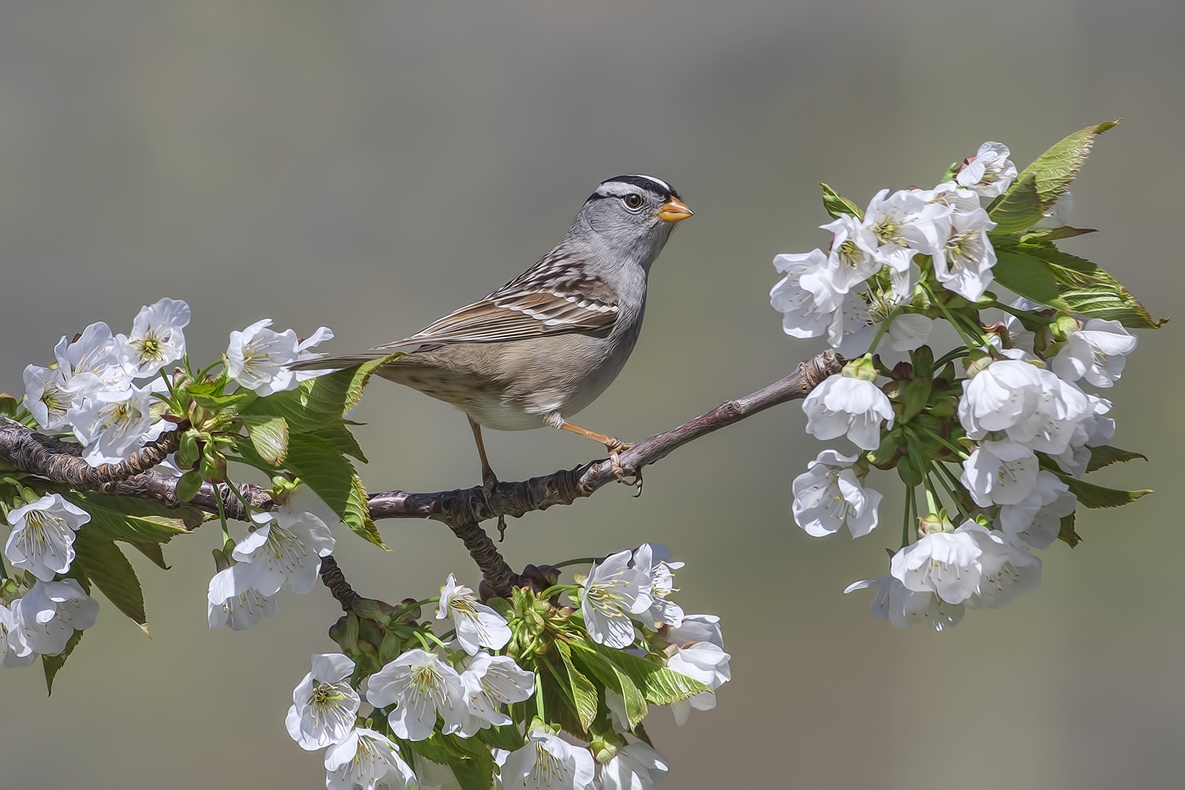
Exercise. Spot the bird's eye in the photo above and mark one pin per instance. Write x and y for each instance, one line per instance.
(633, 201)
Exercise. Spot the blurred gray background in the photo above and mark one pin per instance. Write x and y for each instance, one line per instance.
(373, 165)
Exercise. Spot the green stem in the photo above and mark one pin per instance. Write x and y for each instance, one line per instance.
(931, 498)
(539, 710)
(947, 443)
(905, 520)
(950, 491)
(880, 332)
(970, 340)
(222, 516)
(434, 638)
(1025, 314)
(239, 496)
(577, 561)
(950, 356)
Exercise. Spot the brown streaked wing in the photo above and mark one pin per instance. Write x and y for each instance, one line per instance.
(517, 315)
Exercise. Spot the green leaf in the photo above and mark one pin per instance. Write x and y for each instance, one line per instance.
(269, 437)
(659, 685)
(1028, 277)
(362, 376)
(188, 485)
(1092, 496)
(315, 409)
(51, 664)
(127, 519)
(469, 758)
(1087, 289)
(1018, 208)
(505, 736)
(152, 551)
(9, 405)
(1107, 455)
(581, 690)
(837, 206)
(1053, 171)
(558, 704)
(1067, 532)
(111, 572)
(218, 402)
(1053, 234)
(331, 476)
(613, 679)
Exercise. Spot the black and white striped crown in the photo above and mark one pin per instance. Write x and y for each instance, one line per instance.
(620, 185)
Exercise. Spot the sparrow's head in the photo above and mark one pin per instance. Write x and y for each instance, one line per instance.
(633, 215)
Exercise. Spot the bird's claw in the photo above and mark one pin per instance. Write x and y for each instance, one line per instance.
(615, 450)
(489, 481)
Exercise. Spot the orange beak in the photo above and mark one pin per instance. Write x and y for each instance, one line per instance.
(674, 211)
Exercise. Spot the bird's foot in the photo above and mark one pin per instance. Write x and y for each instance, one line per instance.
(489, 481)
(616, 448)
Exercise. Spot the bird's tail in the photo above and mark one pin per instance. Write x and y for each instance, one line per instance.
(340, 362)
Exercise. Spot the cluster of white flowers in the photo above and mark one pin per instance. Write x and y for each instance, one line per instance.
(631, 589)
(869, 277)
(42, 543)
(466, 686)
(1021, 413)
(91, 390)
(285, 547)
(100, 388)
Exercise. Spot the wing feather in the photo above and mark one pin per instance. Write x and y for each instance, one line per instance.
(517, 315)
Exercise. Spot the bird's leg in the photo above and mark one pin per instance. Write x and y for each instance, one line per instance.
(488, 479)
(613, 445)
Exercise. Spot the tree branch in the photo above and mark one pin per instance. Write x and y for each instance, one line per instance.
(461, 509)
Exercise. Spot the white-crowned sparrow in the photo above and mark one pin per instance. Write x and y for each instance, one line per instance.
(545, 345)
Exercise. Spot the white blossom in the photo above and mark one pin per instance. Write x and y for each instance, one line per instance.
(156, 340)
(998, 397)
(946, 563)
(851, 259)
(804, 296)
(51, 612)
(476, 624)
(420, 686)
(231, 600)
(1094, 430)
(636, 766)
(963, 261)
(654, 560)
(324, 704)
(549, 763)
(15, 649)
(852, 326)
(904, 224)
(109, 424)
(286, 547)
(903, 607)
(42, 537)
(909, 331)
(1008, 569)
(705, 662)
(847, 405)
(490, 682)
(1037, 519)
(90, 363)
(611, 593)
(47, 397)
(830, 495)
(697, 628)
(950, 194)
(369, 760)
(1000, 473)
(1097, 352)
(258, 358)
(1051, 425)
(990, 172)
